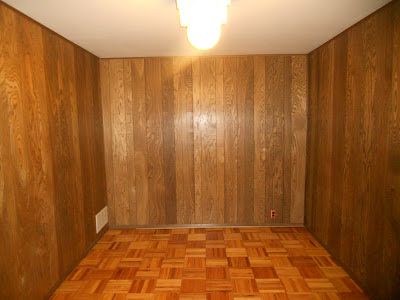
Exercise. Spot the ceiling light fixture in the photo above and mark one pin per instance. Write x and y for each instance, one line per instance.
(203, 19)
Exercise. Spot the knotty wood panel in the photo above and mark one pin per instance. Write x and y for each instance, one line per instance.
(205, 140)
(353, 186)
(52, 174)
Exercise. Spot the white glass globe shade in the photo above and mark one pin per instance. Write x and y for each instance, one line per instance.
(204, 36)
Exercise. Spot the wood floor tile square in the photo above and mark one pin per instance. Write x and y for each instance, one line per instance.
(296, 252)
(149, 273)
(311, 272)
(277, 252)
(241, 273)
(292, 244)
(244, 286)
(219, 285)
(215, 252)
(215, 244)
(151, 263)
(232, 236)
(216, 262)
(195, 244)
(303, 296)
(317, 252)
(270, 285)
(333, 272)
(135, 253)
(260, 261)
(195, 262)
(320, 285)
(173, 263)
(264, 272)
(275, 243)
(70, 286)
(99, 274)
(281, 262)
(301, 261)
(324, 261)
(92, 287)
(193, 286)
(216, 273)
(162, 245)
(166, 296)
(287, 272)
(176, 253)
(295, 285)
(178, 237)
(130, 263)
(193, 296)
(135, 296)
(245, 297)
(219, 296)
(256, 252)
(143, 286)
(171, 273)
(161, 237)
(117, 286)
(194, 273)
(197, 230)
(238, 262)
(79, 273)
(234, 244)
(181, 230)
(124, 273)
(109, 263)
(215, 235)
(236, 252)
(286, 236)
(195, 252)
(282, 229)
(274, 296)
(253, 244)
(168, 285)
(197, 237)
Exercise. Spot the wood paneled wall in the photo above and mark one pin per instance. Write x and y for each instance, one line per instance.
(208, 140)
(52, 176)
(353, 173)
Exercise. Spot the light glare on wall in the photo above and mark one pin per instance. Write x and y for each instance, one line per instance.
(203, 19)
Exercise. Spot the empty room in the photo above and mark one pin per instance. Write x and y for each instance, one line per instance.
(200, 149)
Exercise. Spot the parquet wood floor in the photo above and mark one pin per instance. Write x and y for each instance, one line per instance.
(208, 263)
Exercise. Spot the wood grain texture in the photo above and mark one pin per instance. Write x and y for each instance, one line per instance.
(208, 263)
(183, 116)
(154, 141)
(217, 139)
(259, 140)
(208, 141)
(52, 179)
(352, 168)
(139, 136)
(298, 143)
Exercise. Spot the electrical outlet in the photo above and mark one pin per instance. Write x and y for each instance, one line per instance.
(273, 213)
(101, 219)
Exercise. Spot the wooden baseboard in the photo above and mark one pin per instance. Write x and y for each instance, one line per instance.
(169, 226)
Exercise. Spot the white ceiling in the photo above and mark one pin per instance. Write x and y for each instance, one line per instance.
(137, 28)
